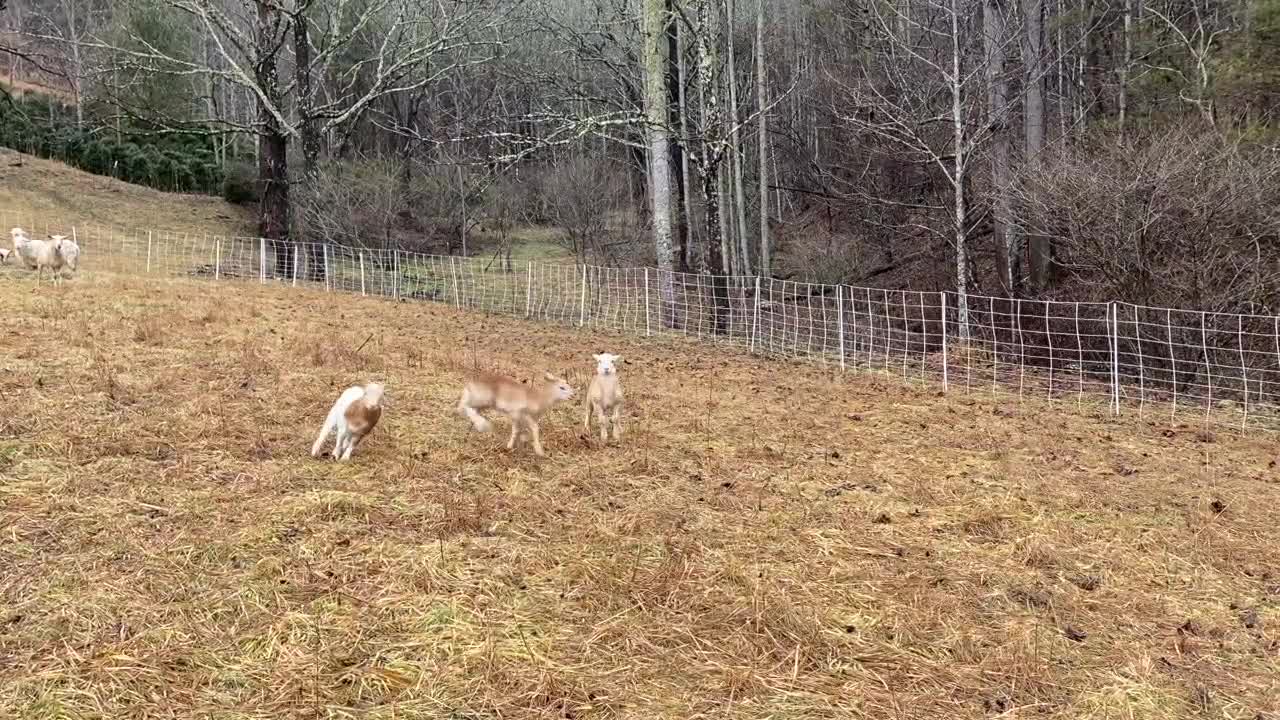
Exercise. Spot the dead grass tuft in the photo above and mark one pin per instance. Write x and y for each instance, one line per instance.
(171, 549)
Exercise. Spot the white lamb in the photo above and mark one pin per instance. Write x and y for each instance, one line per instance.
(20, 242)
(604, 395)
(69, 250)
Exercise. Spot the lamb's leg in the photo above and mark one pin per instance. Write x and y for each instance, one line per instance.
(617, 421)
(477, 420)
(324, 433)
(537, 437)
(586, 415)
(515, 431)
(600, 420)
(340, 444)
(352, 441)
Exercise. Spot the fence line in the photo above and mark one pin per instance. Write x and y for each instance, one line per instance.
(1211, 367)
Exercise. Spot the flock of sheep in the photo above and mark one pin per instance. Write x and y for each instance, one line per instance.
(56, 254)
(358, 409)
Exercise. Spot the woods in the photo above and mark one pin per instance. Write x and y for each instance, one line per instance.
(1021, 148)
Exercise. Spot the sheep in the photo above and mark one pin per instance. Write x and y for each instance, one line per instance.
(522, 403)
(604, 395)
(69, 250)
(4, 255)
(41, 254)
(353, 416)
(21, 241)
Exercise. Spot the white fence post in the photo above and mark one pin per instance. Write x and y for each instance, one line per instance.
(217, 258)
(328, 276)
(148, 251)
(528, 291)
(296, 250)
(1115, 358)
(453, 271)
(945, 384)
(840, 320)
(362, 292)
(395, 279)
(262, 259)
(648, 328)
(755, 316)
(582, 299)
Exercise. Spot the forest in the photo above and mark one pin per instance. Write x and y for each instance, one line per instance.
(1122, 150)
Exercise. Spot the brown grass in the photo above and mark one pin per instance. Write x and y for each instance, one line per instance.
(37, 193)
(769, 540)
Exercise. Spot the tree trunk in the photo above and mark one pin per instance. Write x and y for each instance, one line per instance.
(659, 155)
(310, 138)
(762, 103)
(739, 193)
(1125, 63)
(676, 118)
(713, 256)
(1033, 125)
(1008, 253)
(688, 239)
(958, 179)
(273, 141)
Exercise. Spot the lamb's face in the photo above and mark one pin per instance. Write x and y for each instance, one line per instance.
(606, 363)
(374, 393)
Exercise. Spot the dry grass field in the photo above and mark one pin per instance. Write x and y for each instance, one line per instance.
(769, 541)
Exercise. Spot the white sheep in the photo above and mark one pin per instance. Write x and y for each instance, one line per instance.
(69, 250)
(20, 242)
(604, 395)
(523, 404)
(41, 254)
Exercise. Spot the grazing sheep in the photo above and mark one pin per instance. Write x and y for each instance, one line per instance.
(352, 417)
(522, 403)
(604, 395)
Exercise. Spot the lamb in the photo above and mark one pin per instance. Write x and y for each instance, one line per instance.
(604, 395)
(522, 403)
(68, 249)
(4, 255)
(352, 417)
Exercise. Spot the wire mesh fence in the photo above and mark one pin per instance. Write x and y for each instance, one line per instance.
(1216, 368)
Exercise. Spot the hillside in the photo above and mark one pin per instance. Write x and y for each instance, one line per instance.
(35, 192)
(768, 541)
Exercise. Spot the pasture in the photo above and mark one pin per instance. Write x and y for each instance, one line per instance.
(771, 540)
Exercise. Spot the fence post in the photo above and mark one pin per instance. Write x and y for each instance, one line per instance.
(453, 272)
(1115, 358)
(945, 385)
(328, 276)
(395, 268)
(296, 250)
(840, 319)
(148, 251)
(528, 291)
(648, 327)
(262, 259)
(755, 316)
(582, 299)
(217, 258)
(362, 292)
